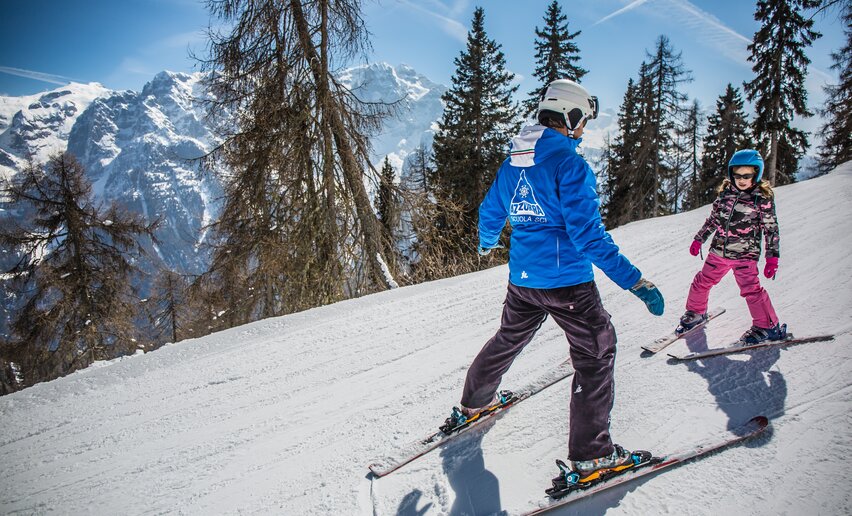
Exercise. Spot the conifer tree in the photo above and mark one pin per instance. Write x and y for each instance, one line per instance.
(621, 174)
(77, 266)
(642, 173)
(727, 132)
(556, 55)
(419, 169)
(297, 228)
(778, 89)
(687, 162)
(473, 135)
(169, 307)
(836, 148)
(665, 73)
(388, 207)
(387, 204)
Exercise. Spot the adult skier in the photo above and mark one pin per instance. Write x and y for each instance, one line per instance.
(548, 193)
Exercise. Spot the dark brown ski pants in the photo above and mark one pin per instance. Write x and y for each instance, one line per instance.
(591, 337)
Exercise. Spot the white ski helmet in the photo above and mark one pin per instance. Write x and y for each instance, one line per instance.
(571, 100)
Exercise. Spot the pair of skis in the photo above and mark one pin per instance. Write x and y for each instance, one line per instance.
(735, 347)
(649, 465)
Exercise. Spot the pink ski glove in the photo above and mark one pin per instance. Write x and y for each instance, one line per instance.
(695, 248)
(771, 267)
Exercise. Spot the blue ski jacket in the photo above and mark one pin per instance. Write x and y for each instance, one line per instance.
(548, 192)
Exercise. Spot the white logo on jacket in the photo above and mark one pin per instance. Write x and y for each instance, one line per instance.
(524, 207)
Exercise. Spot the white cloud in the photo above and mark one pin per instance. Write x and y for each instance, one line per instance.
(454, 28)
(629, 7)
(706, 27)
(38, 76)
(180, 41)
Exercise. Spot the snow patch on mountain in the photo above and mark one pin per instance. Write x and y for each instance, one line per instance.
(142, 150)
(36, 126)
(417, 107)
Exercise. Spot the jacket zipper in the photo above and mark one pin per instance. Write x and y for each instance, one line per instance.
(728, 225)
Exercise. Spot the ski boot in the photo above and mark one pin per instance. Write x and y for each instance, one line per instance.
(690, 320)
(586, 473)
(756, 335)
(464, 416)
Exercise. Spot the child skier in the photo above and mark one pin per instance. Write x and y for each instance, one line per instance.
(744, 209)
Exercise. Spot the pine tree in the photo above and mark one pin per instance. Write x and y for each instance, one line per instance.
(728, 131)
(778, 89)
(77, 266)
(621, 174)
(556, 55)
(666, 73)
(387, 203)
(836, 148)
(472, 140)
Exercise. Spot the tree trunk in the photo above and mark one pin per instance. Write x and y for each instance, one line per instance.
(351, 170)
(772, 162)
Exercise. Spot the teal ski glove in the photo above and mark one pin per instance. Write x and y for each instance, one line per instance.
(484, 251)
(650, 295)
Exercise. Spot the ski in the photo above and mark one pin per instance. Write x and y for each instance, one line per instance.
(663, 342)
(654, 465)
(421, 447)
(738, 347)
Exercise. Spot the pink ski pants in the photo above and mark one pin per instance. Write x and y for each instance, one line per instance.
(745, 272)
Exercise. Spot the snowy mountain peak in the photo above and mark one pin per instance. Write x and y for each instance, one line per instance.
(417, 101)
(39, 125)
(138, 147)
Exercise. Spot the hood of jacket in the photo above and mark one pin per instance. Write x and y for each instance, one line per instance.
(536, 143)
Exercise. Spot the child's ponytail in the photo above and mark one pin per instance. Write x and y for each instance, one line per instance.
(765, 189)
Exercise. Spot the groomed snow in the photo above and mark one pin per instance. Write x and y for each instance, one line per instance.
(284, 415)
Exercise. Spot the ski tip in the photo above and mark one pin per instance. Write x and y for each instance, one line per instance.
(376, 471)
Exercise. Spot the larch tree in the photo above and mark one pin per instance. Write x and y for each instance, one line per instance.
(77, 268)
(297, 228)
(666, 105)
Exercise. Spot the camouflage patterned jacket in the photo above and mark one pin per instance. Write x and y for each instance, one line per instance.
(739, 220)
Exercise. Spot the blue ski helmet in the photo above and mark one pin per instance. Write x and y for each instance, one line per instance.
(746, 157)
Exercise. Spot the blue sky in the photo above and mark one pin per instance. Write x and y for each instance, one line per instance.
(122, 44)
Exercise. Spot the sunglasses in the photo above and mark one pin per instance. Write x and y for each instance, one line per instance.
(744, 177)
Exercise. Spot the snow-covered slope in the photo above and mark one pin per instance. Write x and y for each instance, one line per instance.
(282, 416)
